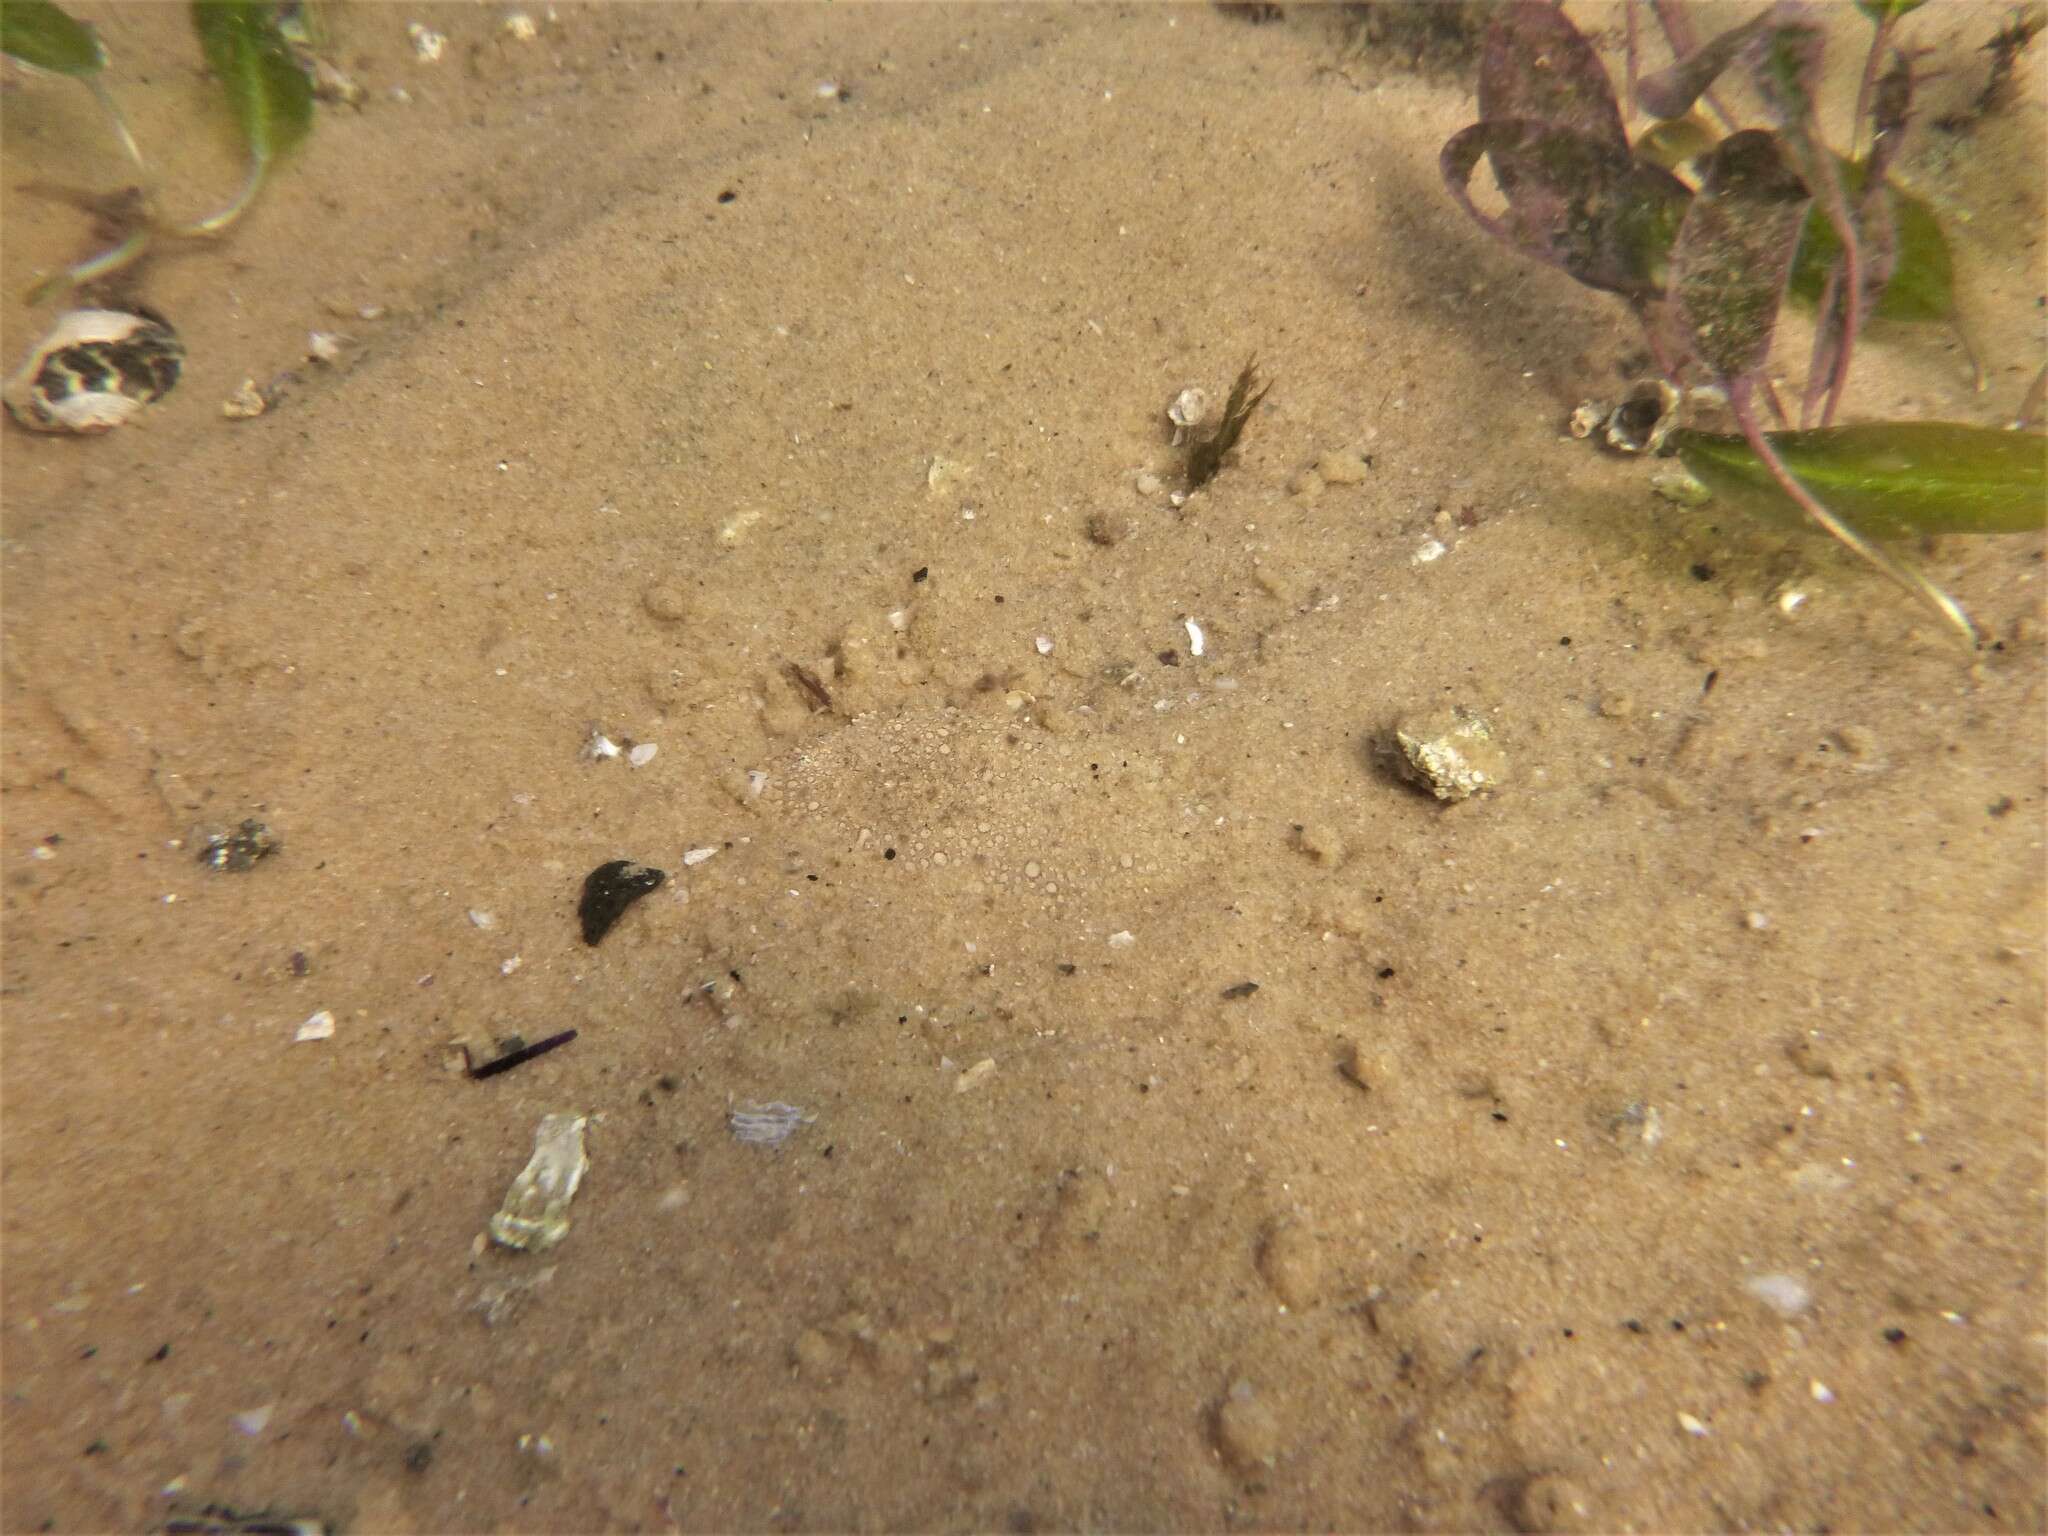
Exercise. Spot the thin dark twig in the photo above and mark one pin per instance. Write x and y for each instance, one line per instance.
(511, 1059)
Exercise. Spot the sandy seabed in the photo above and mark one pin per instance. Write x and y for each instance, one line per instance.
(1199, 1128)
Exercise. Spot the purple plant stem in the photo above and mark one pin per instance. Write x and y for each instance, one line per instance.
(1877, 45)
(1679, 34)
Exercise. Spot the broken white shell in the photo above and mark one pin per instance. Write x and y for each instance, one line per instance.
(95, 370)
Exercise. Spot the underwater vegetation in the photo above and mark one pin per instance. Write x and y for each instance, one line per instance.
(264, 78)
(1771, 212)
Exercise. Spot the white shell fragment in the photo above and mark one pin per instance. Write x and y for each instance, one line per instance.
(973, 1076)
(1188, 410)
(643, 754)
(535, 1214)
(1785, 1294)
(318, 1027)
(767, 1125)
(696, 856)
(95, 370)
(1197, 641)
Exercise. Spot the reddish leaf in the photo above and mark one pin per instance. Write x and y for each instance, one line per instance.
(1535, 65)
(1671, 92)
(1575, 202)
(1734, 253)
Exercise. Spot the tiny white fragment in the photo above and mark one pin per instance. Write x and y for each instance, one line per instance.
(1043, 645)
(319, 1027)
(599, 747)
(1431, 550)
(1789, 601)
(1123, 938)
(697, 856)
(1785, 1294)
(481, 919)
(507, 967)
(245, 403)
(251, 1421)
(1197, 641)
(520, 27)
(975, 1074)
(1820, 1391)
(426, 43)
(643, 754)
(756, 782)
(1691, 1425)
(323, 347)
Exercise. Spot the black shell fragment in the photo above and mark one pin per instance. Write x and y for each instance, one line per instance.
(611, 888)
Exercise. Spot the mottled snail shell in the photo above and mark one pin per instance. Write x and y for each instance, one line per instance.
(95, 370)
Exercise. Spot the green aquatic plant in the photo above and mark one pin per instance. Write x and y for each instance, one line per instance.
(261, 77)
(1706, 264)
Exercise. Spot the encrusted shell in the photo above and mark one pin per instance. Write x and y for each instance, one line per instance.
(95, 370)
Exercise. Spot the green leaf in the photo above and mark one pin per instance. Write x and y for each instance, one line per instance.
(1879, 10)
(270, 95)
(1889, 480)
(1922, 285)
(36, 32)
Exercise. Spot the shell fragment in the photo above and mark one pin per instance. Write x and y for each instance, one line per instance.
(535, 1214)
(95, 370)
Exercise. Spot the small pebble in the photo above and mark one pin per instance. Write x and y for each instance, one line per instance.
(1343, 467)
(1292, 1264)
(1108, 529)
(1247, 1430)
(666, 601)
(1123, 939)
(643, 754)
